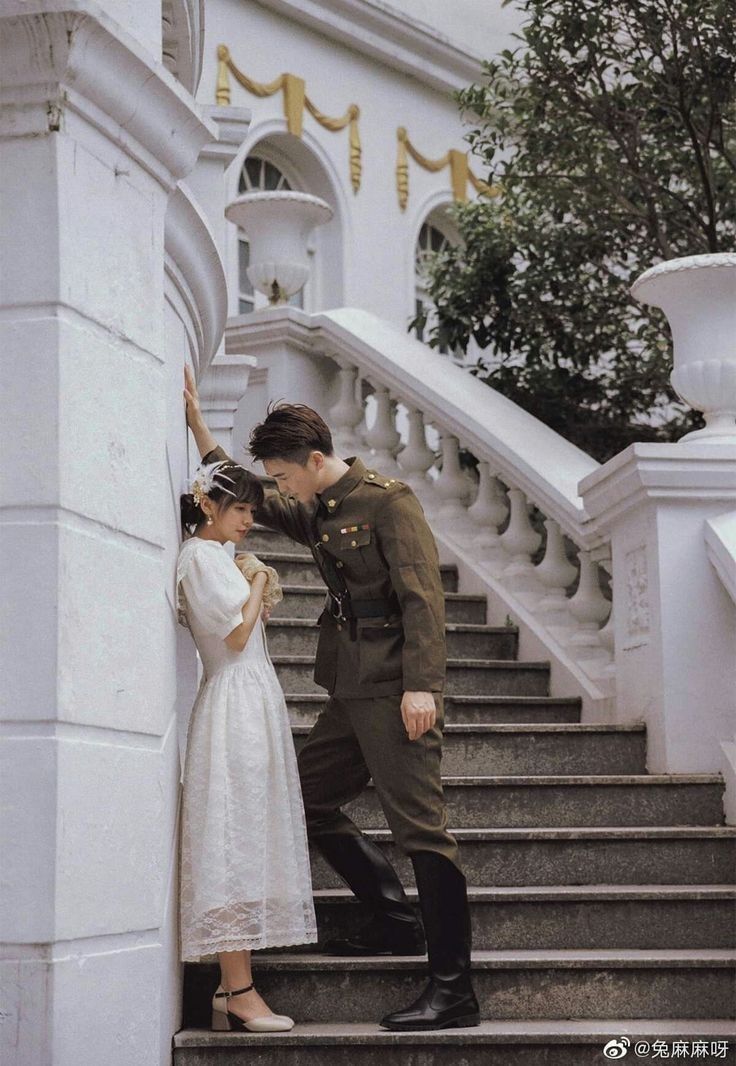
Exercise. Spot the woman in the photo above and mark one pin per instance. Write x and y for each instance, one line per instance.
(245, 878)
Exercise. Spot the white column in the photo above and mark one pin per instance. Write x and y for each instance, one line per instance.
(93, 139)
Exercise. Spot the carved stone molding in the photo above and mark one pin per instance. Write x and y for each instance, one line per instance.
(194, 267)
(637, 597)
(70, 61)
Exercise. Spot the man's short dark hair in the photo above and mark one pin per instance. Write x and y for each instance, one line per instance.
(290, 431)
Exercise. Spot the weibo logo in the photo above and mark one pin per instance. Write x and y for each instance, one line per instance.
(617, 1049)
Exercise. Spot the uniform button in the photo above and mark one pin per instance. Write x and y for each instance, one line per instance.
(339, 564)
(339, 627)
(387, 484)
(371, 476)
(353, 544)
(331, 503)
(325, 537)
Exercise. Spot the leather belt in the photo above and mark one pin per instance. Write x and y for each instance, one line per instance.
(344, 609)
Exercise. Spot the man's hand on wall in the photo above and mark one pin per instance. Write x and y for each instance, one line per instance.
(205, 441)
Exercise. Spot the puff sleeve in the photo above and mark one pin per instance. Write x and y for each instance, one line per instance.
(213, 588)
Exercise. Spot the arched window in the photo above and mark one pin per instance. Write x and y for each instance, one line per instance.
(431, 240)
(257, 175)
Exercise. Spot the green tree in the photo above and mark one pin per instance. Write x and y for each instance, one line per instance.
(610, 134)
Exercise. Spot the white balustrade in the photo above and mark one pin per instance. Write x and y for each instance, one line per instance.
(383, 438)
(416, 457)
(556, 573)
(346, 414)
(590, 608)
(488, 512)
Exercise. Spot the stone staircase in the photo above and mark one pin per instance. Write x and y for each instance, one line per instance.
(603, 898)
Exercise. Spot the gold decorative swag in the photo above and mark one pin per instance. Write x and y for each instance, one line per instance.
(295, 101)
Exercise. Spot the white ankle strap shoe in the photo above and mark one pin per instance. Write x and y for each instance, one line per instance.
(224, 1020)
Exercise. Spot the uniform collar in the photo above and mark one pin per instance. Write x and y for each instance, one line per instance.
(333, 496)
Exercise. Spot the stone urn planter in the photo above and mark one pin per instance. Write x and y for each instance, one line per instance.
(698, 295)
(277, 225)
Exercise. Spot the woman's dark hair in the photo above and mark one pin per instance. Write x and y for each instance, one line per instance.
(290, 431)
(237, 480)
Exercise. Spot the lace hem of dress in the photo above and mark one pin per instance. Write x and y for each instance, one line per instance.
(208, 950)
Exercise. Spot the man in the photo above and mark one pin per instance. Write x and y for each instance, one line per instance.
(381, 656)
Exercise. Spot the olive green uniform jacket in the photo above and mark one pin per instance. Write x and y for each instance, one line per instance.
(375, 533)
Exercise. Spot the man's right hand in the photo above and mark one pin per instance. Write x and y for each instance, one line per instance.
(205, 441)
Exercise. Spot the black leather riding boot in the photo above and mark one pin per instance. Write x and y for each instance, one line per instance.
(394, 928)
(448, 1000)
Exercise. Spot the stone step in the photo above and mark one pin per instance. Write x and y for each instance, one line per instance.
(508, 984)
(526, 749)
(298, 636)
(299, 568)
(465, 677)
(307, 601)
(575, 856)
(618, 799)
(488, 710)
(502, 1043)
(555, 917)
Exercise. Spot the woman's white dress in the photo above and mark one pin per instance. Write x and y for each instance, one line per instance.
(245, 876)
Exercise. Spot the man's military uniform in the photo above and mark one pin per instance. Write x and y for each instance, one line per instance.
(382, 633)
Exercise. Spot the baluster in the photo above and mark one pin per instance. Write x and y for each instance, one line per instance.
(488, 512)
(345, 415)
(555, 572)
(590, 608)
(383, 437)
(520, 540)
(416, 457)
(452, 487)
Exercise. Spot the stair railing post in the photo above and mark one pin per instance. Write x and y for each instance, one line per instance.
(675, 623)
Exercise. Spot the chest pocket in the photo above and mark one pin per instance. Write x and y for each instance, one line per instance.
(352, 541)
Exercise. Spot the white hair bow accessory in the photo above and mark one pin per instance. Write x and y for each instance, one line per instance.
(208, 477)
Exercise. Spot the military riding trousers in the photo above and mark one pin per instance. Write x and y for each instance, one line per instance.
(356, 740)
